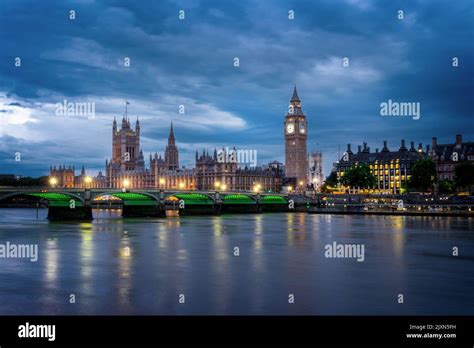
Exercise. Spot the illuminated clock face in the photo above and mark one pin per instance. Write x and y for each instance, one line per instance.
(290, 128)
(302, 128)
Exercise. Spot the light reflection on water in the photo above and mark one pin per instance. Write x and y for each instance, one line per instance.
(140, 266)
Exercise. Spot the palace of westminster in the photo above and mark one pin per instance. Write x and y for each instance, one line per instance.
(301, 172)
(127, 166)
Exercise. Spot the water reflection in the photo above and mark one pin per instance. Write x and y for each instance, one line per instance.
(124, 274)
(144, 270)
(87, 257)
(51, 254)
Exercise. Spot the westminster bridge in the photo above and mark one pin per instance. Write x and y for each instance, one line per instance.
(77, 204)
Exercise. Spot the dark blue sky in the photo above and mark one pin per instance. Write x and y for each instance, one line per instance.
(190, 62)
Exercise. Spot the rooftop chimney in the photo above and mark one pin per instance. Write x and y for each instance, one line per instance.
(402, 146)
(412, 146)
(359, 148)
(420, 147)
(349, 151)
(458, 140)
(385, 148)
(434, 142)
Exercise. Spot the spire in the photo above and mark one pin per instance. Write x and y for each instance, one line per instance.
(295, 96)
(171, 140)
(124, 121)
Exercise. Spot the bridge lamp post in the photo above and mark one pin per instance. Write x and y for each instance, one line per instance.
(53, 181)
(87, 181)
(217, 185)
(181, 185)
(161, 182)
(256, 188)
(126, 184)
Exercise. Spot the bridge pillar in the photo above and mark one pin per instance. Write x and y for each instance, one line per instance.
(217, 206)
(258, 204)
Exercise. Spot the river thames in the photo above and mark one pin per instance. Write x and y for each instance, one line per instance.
(142, 266)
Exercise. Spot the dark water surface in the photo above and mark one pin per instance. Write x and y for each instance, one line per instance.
(140, 266)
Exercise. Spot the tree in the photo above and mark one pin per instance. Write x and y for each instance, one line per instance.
(464, 175)
(423, 175)
(404, 189)
(359, 176)
(12, 180)
(331, 180)
(446, 186)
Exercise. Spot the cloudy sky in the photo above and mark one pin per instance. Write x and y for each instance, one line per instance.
(190, 62)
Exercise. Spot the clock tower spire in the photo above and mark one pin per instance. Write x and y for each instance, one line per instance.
(296, 157)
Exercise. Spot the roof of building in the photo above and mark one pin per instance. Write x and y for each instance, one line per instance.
(295, 96)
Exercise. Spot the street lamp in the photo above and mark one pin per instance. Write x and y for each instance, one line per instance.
(257, 188)
(126, 183)
(88, 180)
(181, 185)
(53, 181)
(224, 187)
(162, 181)
(217, 184)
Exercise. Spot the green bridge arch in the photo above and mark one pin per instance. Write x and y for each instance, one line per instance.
(54, 199)
(131, 198)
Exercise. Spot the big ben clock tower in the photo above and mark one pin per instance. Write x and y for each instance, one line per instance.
(296, 157)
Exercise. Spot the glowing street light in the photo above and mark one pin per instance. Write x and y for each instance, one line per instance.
(217, 184)
(87, 180)
(257, 188)
(290, 188)
(181, 185)
(126, 183)
(224, 187)
(162, 181)
(53, 181)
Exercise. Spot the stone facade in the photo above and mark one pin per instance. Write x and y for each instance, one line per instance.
(316, 178)
(211, 174)
(447, 156)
